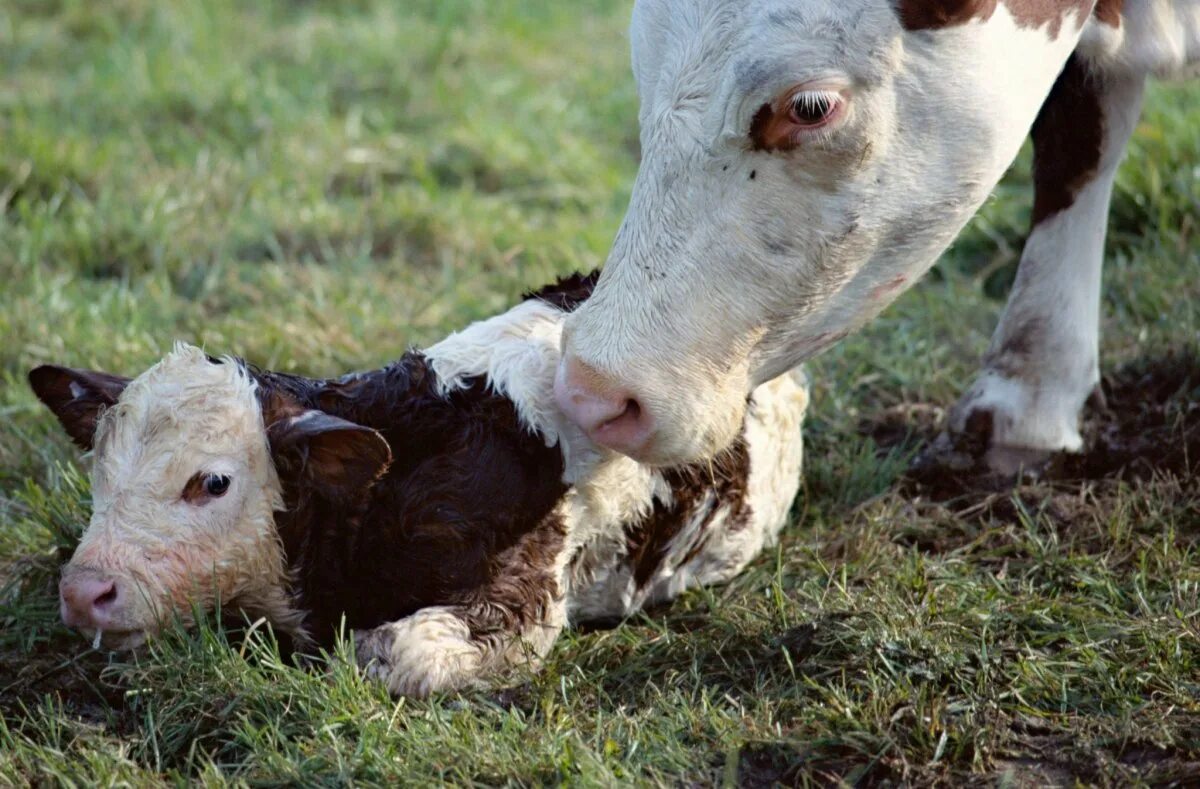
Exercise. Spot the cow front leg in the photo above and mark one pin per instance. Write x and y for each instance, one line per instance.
(1043, 362)
(447, 648)
(511, 622)
(429, 651)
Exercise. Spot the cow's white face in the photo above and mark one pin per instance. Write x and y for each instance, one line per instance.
(183, 491)
(803, 163)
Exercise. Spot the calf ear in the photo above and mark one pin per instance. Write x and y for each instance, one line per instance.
(338, 457)
(76, 397)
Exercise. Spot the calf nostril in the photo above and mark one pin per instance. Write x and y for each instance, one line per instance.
(106, 597)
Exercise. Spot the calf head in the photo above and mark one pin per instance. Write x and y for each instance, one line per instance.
(802, 164)
(186, 477)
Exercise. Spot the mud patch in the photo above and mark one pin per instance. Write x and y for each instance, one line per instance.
(1143, 449)
(1146, 426)
(60, 673)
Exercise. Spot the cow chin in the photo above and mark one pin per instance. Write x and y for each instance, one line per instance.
(118, 641)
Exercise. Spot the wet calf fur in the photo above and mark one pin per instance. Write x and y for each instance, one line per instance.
(439, 505)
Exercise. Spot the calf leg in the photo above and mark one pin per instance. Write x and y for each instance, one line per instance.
(1042, 364)
(512, 621)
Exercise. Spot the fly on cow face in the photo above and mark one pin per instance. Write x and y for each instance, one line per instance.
(870, 147)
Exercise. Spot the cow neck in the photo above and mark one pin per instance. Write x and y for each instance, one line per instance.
(316, 532)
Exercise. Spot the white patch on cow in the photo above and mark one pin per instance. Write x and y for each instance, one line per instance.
(734, 265)
(773, 440)
(424, 653)
(182, 417)
(599, 576)
(517, 351)
(433, 650)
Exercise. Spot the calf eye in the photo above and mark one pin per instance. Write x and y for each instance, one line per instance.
(203, 487)
(216, 484)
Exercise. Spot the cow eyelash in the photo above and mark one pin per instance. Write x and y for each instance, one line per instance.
(813, 109)
(205, 487)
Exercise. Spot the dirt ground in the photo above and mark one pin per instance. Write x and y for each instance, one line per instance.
(1144, 430)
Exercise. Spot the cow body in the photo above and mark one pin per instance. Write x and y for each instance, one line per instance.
(803, 163)
(440, 506)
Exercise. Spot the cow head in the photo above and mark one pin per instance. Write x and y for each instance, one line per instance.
(802, 164)
(185, 483)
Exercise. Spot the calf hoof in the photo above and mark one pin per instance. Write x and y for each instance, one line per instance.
(428, 652)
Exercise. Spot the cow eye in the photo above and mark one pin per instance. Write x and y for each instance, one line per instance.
(800, 114)
(216, 484)
(813, 107)
(204, 486)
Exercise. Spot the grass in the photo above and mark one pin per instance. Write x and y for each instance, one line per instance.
(316, 186)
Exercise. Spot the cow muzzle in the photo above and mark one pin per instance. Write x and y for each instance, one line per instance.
(610, 415)
(97, 603)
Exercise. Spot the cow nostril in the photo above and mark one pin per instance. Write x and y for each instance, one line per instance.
(632, 412)
(89, 600)
(106, 597)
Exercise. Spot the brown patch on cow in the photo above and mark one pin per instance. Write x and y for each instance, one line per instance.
(340, 457)
(770, 130)
(523, 586)
(697, 490)
(568, 292)
(1109, 12)
(77, 397)
(1068, 140)
(468, 489)
(941, 14)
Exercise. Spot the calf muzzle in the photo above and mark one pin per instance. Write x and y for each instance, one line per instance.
(89, 599)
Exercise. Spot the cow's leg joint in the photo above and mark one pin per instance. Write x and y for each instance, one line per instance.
(1042, 365)
(429, 651)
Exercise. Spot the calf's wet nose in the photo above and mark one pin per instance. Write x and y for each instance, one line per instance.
(89, 600)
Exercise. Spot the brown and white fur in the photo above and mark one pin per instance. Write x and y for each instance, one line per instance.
(806, 161)
(441, 506)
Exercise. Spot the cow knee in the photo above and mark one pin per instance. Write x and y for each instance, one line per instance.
(425, 653)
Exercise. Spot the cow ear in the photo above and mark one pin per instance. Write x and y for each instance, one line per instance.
(76, 397)
(339, 458)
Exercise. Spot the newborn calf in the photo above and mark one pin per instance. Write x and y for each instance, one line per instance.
(440, 505)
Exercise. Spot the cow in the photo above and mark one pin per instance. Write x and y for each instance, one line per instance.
(804, 163)
(440, 508)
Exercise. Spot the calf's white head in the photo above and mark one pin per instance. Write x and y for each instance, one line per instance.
(803, 162)
(184, 487)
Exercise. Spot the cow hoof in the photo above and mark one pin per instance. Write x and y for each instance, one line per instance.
(1012, 425)
(428, 652)
(1014, 461)
(977, 437)
(970, 452)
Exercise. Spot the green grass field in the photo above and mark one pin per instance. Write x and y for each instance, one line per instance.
(316, 186)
